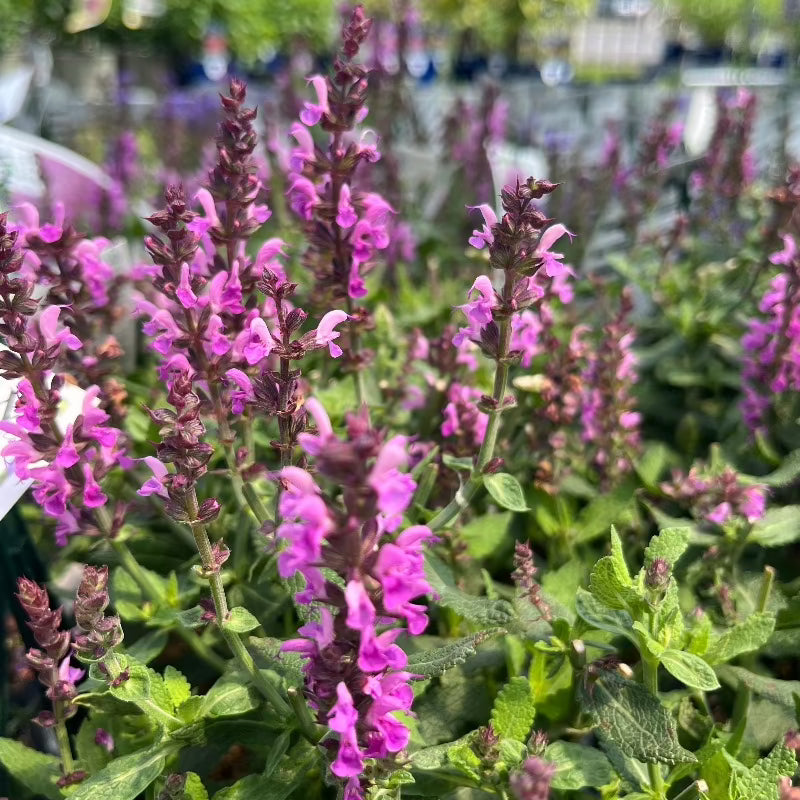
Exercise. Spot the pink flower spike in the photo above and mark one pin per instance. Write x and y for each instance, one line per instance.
(484, 236)
(312, 112)
(325, 333)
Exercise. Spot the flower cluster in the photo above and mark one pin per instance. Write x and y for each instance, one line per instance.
(99, 633)
(608, 416)
(52, 661)
(365, 597)
(66, 465)
(524, 577)
(772, 343)
(345, 225)
(83, 285)
(519, 245)
(532, 782)
(717, 496)
(463, 422)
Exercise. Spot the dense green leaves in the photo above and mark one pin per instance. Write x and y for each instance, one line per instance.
(760, 782)
(577, 766)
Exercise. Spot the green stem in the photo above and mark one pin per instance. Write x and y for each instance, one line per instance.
(212, 574)
(766, 588)
(695, 791)
(254, 501)
(308, 727)
(62, 736)
(154, 595)
(463, 496)
(650, 680)
(740, 711)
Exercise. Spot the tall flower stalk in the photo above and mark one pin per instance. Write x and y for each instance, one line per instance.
(345, 225)
(519, 246)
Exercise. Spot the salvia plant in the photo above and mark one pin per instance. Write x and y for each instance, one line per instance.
(341, 521)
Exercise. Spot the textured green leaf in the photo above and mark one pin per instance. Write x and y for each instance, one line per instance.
(91, 755)
(432, 663)
(787, 473)
(124, 778)
(136, 689)
(778, 691)
(598, 615)
(599, 515)
(506, 491)
(464, 464)
(194, 789)
(240, 620)
(618, 559)
(191, 617)
(669, 544)
(514, 710)
(578, 766)
(430, 758)
(486, 535)
(689, 669)
(177, 686)
(36, 771)
(464, 759)
(607, 586)
(745, 637)
(634, 720)
(474, 609)
(760, 782)
(651, 464)
(267, 654)
(228, 696)
(779, 526)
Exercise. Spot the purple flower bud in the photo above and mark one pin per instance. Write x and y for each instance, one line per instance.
(532, 782)
(103, 738)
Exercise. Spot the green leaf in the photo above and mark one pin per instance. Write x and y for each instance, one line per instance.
(787, 473)
(431, 758)
(292, 771)
(598, 615)
(606, 586)
(136, 688)
(146, 648)
(650, 464)
(689, 669)
(464, 464)
(745, 637)
(506, 491)
(191, 617)
(177, 686)
(240, 620)
(464, 759)
(669, 545)
(194, 789)
(228, 696)
(124, 778)
(778, 691)
(599, 515)
(618, 559)
(514, 710)
(760, 782)
(266, 652)
(633, 719)
(432, 663)
(474, 609)
(779, 526)
(578, 766)
(486, 535)
(36, 771)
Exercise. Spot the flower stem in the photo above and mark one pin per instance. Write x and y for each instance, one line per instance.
(650, 680)
(211, 572)
(463, 496)
(62, 737)
(154, 595)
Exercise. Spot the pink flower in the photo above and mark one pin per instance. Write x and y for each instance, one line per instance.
(312, 443)
(245, 394)
(200, 225)
(155, 484)
(346, 215)
(360, 611)
(184, 293)
(48, 327)
(259, 344)
(67, 455)
(484, 236)
(552, 266)
(325, 333)
(303, 197)
(93, 496)
(721, 514)
(312, 112)
(304, 152)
